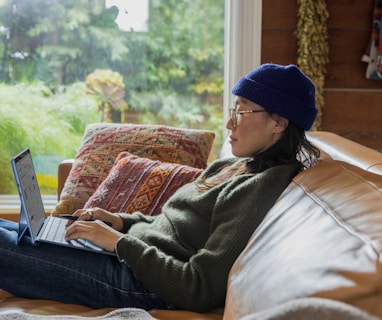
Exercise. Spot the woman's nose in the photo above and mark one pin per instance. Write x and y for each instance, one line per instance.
(229, 124)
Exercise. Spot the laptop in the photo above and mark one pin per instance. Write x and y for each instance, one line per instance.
(32, 214)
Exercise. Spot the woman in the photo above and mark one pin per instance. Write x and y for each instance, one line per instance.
(182, 257)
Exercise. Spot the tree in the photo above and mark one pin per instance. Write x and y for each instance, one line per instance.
(173, 73)
(59, 42)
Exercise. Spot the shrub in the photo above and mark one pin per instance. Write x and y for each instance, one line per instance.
(50, 124)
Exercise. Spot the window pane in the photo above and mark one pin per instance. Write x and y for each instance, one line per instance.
(165, 57)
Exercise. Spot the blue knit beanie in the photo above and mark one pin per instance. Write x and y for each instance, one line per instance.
(284, 90)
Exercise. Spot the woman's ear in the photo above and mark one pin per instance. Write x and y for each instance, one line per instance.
(281, 123)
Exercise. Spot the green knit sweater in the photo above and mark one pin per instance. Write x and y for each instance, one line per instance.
(185, 254)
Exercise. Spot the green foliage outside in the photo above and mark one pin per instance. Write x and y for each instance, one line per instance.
(173, 74)
(51, 125)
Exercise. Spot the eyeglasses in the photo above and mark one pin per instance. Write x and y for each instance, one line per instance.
(235, 115)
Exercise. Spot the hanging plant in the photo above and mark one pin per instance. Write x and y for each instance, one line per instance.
(313, 50)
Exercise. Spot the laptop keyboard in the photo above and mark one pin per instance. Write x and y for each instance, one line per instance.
(55, 230)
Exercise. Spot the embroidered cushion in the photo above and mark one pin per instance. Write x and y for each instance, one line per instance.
(140, 184)
(103, 142)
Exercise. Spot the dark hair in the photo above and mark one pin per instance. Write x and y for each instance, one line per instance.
(293, 146)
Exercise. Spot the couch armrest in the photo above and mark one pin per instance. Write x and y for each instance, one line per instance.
(63, 171)
(343, 149)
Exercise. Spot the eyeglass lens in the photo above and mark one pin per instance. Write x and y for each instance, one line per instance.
(233, 115)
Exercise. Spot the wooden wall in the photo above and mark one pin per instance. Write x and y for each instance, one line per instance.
(353, 104)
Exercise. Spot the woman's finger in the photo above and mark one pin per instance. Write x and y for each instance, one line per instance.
(95, 231)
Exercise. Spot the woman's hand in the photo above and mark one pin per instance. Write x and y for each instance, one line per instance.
(95, 231)
(96, 225)
(112, 219)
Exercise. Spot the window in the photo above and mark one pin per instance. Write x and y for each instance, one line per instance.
(169, 53)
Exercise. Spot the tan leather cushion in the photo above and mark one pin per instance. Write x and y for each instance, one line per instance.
(10, 303)
(342, 149)
(322, 238)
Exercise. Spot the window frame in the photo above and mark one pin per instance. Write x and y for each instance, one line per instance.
(242, 44)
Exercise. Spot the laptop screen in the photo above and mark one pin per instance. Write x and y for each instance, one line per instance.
(31, 201)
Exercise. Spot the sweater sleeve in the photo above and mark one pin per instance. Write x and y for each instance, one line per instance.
(129, 219)
(199, 284)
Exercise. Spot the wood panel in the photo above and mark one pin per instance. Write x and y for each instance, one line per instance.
(350, 14)
(279, 14)
(347, 110)
(349, 30)
(278, 42)
(278, 48)
(353, 104)
(345, 68)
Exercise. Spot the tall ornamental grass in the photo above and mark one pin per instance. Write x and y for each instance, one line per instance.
(50, 124)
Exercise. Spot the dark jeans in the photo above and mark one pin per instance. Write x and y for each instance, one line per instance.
(68, 275)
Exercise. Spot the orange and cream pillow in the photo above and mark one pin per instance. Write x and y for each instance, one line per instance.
(140, 184)
(102, 143)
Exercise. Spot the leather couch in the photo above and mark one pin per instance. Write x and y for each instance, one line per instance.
(322, 240)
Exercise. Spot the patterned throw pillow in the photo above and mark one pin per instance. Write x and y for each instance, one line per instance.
(140, 184)
(103, 142)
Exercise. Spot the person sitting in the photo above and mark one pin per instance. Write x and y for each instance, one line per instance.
(181, 258)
